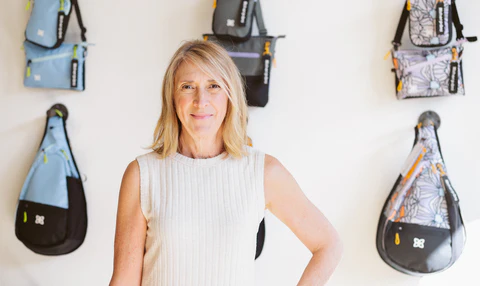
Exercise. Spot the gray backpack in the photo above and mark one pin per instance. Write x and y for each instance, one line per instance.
(233, 19)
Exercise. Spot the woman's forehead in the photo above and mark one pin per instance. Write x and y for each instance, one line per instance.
(190, 72)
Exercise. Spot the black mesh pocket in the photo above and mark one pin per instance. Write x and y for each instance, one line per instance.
(419, 248)
(40, 224)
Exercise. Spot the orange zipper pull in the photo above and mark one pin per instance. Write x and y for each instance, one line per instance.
(267, 49)
(409, 5)
(454, 54)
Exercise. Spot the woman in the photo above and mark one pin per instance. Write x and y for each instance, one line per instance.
(189, 211)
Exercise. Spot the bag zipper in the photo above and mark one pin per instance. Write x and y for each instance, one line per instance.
(246, 55)
(42, 59)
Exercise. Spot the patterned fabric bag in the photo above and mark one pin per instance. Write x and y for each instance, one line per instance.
(430, 22)
(433, 72)
(421, 229)
(429, 73)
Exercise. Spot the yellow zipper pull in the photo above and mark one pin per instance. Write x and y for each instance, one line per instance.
(64, 154)
(214, 3)
(205, 38)
(45, 159)
(409, 5)
(28, 5)
(399, 86)
(397, 239)
(442, 172)
(58, 112)
(75, 51)
(24, 217)
(387, 55)
(29, 70)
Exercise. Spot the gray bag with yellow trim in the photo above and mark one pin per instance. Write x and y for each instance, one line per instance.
(254, 60)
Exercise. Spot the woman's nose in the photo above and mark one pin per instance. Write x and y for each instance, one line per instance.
(201, 98)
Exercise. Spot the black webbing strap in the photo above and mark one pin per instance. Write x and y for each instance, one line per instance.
(259, 17)
(458, 25)
(397, 41)
(79, 19)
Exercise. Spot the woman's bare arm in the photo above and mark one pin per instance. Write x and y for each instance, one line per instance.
(285, 200)
(130, 231)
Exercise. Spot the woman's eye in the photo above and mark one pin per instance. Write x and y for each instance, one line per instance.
(215, 86)
(187, 86)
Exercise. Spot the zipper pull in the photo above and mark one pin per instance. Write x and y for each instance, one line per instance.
(62, 5)
(29, 70)
(409, 5)
(397, 238)
(387, 55)
(74, 52)
(45, 159)
(64, 154)
(267, 49)
(442, 172)
(454, 54)
(214, 3)
(28, 5)
(274, 62)
(399, 86)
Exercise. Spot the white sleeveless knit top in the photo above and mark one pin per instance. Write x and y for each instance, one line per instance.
(202, 218)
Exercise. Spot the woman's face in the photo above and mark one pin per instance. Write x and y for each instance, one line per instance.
(200, 102)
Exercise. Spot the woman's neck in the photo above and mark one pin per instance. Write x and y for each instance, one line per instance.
(200, 148)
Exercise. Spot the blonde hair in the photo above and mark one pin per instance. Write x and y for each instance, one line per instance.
(214, 61)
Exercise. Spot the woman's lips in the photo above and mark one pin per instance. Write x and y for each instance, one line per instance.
(201, 115)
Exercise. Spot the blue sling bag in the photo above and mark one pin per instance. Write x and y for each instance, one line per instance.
(51, 216)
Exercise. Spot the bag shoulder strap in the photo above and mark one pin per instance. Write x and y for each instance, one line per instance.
(259, 18)
(397, 41)
(458, 25)
(80, 21)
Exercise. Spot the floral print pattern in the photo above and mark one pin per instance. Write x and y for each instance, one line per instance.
(425, 202)
(426, 73)
(423, 23)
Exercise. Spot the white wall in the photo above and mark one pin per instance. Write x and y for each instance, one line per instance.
(332, 119)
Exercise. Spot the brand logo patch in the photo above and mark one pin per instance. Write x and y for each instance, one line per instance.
(265, 71)
(37, 77)
(440, 18)
(453, 81)
(243, 15)
(73, 82)
(39, 219)
(230, 22)
(60, 25)
(40, 32)
(418, 242)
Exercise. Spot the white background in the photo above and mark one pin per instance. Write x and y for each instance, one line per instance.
(332, 120)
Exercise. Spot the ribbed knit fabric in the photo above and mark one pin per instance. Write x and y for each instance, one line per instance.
(202, 218)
